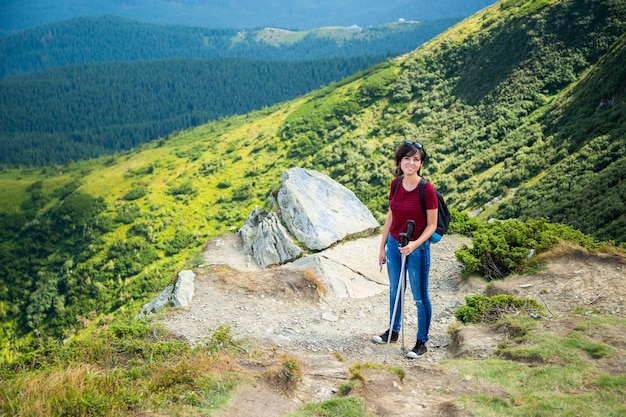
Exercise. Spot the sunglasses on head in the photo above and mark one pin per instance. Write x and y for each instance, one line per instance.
(416, 144)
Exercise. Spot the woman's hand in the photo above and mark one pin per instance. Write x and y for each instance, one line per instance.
(382, 258)
(410, 247)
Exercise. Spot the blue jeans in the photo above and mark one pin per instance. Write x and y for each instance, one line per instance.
(417, 269)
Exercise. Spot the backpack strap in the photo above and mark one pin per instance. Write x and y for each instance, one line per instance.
(397, 181)
(423, 183)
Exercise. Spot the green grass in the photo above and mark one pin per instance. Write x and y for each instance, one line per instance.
(345, 407)
(13, 193)
(546, 374)
(129, 368)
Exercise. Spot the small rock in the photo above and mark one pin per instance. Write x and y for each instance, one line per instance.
(329, 317)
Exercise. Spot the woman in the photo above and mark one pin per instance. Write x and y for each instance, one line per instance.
(405, 205)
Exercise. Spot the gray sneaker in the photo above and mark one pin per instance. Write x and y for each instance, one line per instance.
(418, 350)
(381, 339)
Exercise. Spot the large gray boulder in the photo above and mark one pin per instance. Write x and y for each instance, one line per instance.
(267, 240)
(349, 269)
(184, 289)
(179, 294)
(321, 214)
(319, 211)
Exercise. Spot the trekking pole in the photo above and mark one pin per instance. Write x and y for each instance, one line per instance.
(404, 240)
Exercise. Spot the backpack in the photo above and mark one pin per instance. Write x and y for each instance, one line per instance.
(443, 213)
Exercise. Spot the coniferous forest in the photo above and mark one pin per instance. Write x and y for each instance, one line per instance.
(85, 40)
(84, 111)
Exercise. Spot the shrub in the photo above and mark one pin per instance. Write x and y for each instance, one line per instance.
(501, 248)
(182, 239)
(140, 172)
(185, 188)
(136, 193)
(480, 308)
(129, 257)
(210, 167)
(142, 229)
(127, 213)
(462, 223)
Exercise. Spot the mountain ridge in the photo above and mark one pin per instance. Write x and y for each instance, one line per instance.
(299, 14)
(85, 40)
(78, 89)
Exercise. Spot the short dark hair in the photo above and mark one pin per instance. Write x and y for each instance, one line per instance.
(409, 149)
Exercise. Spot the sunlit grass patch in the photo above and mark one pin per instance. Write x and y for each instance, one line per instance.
(122, 369)
(358, 378)
(345, 407)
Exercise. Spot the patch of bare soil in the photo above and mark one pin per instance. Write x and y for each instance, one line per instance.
(576, 280)
(283, 314)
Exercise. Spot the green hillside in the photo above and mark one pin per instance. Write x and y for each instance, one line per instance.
(523, 102)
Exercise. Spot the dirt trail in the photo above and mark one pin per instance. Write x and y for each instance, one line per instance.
(279, 309)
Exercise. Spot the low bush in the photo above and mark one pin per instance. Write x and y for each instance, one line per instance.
(480, 308)
(136, 193)
(503, 247)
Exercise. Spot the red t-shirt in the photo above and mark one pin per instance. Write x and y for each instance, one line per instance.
(406, 205)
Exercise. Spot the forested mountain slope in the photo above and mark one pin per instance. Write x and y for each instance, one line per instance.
(87, 40)
(86, 111)
(521, 109)
(138, 82)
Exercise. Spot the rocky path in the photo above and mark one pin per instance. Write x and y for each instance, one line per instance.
(260, 306)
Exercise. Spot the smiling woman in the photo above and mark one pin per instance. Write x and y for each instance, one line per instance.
(405, 244)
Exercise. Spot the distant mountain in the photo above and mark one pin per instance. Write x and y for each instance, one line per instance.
(243, 14)
(105, 39)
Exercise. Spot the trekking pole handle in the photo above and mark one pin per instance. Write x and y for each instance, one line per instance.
(406, 236)
(409, 229)
(404, 239)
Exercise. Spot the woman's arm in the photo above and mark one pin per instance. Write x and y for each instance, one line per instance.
(383, 238)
